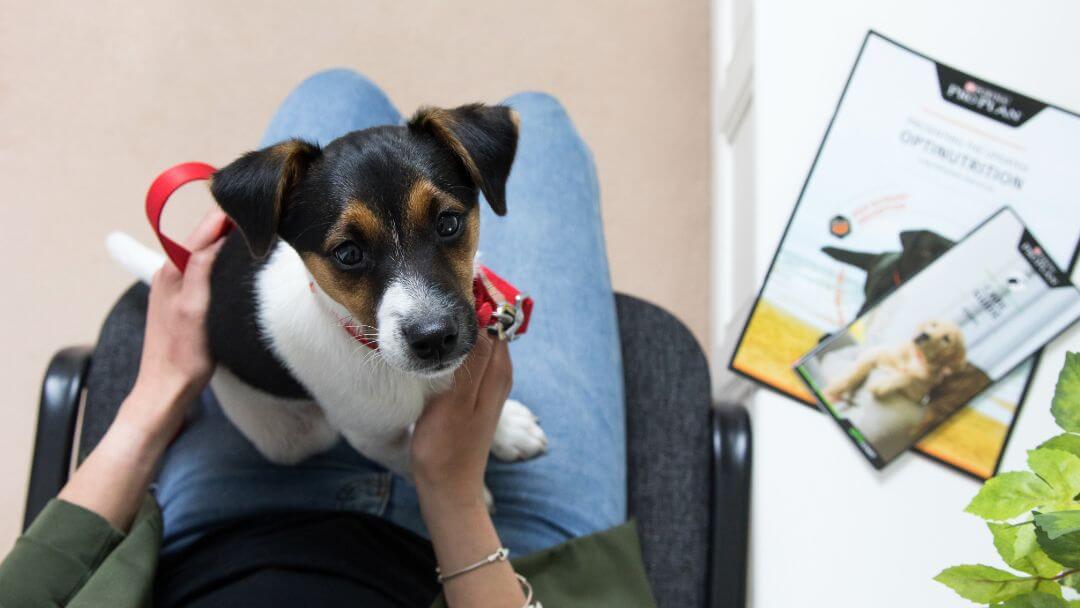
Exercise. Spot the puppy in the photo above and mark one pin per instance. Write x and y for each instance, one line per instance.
(910, 370)
(345, 298)
(885, 271)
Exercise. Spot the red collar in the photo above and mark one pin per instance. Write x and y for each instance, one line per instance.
(896, 277)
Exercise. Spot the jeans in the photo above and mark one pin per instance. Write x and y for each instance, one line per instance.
(567, 368)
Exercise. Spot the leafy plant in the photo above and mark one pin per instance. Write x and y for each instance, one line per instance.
(1034, 518)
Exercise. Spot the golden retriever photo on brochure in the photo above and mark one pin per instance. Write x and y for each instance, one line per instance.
(911, 369)
(940, 339)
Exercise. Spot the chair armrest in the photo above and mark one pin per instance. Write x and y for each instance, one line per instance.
(730, 516)
(61, 392)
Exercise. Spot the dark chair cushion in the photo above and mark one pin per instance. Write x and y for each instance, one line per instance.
(668, 449)
(114, 365)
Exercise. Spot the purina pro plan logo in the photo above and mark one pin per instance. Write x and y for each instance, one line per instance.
(993, 102)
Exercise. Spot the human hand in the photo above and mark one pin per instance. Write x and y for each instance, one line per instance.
(175, 366)
(176, 362)
(452, 438)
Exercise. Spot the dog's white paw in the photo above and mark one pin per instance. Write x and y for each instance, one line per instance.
(518, 435)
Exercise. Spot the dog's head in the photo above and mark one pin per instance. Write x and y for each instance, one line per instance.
(942, 344)
(920, 247)
(386, 221)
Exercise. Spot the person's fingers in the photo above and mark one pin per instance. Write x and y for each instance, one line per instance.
(498, 378)
(167, 276)
(197, 274)
(467, 378)
(207, 231)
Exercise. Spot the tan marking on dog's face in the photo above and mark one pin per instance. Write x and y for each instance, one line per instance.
(422, 209)
(463, 258)
(944, 346)
(354, 292)
(355, 218)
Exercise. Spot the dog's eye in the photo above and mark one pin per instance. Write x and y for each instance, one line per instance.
(348, 255)
(945, 339)
(448, 224)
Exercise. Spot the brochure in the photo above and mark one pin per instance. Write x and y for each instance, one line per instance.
(916, 155)
(921, 353)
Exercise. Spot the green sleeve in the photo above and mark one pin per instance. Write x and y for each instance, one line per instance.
(602, 570)
(71, 556)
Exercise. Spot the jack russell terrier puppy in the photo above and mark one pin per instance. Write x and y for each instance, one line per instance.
(368, 242)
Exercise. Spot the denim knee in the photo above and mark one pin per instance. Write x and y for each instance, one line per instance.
(339, 79)
(536, 101)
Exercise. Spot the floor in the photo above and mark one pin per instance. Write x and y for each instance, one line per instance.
(96, 98)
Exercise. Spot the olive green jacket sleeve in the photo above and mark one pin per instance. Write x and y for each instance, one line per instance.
(72, 557)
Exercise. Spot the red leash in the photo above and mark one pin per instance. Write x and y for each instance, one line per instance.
(159, 193)
(500, 307)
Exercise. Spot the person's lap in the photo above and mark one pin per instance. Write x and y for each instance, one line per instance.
(567, 369)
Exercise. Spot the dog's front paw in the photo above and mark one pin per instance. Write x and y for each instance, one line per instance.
(518, 435)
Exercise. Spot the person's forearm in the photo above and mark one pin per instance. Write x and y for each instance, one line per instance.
(113, 479)
(463, 534)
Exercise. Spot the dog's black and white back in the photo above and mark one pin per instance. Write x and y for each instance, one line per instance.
(368, 242)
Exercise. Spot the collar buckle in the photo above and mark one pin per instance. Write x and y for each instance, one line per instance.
(508, 318)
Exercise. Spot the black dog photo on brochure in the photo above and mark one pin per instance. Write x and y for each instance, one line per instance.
(917, 154)
(922, 353)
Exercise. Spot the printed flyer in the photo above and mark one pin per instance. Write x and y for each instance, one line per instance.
(916, 156)
(940, 339)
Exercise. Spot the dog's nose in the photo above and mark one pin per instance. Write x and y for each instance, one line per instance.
(432, 340)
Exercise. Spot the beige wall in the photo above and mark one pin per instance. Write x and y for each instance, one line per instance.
(96, 98)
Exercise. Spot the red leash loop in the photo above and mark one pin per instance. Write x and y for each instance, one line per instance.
(159, 193)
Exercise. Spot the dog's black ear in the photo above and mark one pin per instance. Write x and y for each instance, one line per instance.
(483, 137)
(254, 188)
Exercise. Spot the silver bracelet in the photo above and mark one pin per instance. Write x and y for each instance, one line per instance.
(499, 556)
(526, 588)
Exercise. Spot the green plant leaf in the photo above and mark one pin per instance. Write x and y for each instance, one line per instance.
(1064, 549)
(1059, 469)
(1050, 587)
(1057, 524)
(1007, 495)
(1035, 599)
(1072, 580)
(984, 584)
(1066, 442)
(1016, 545)
(1066, 404)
